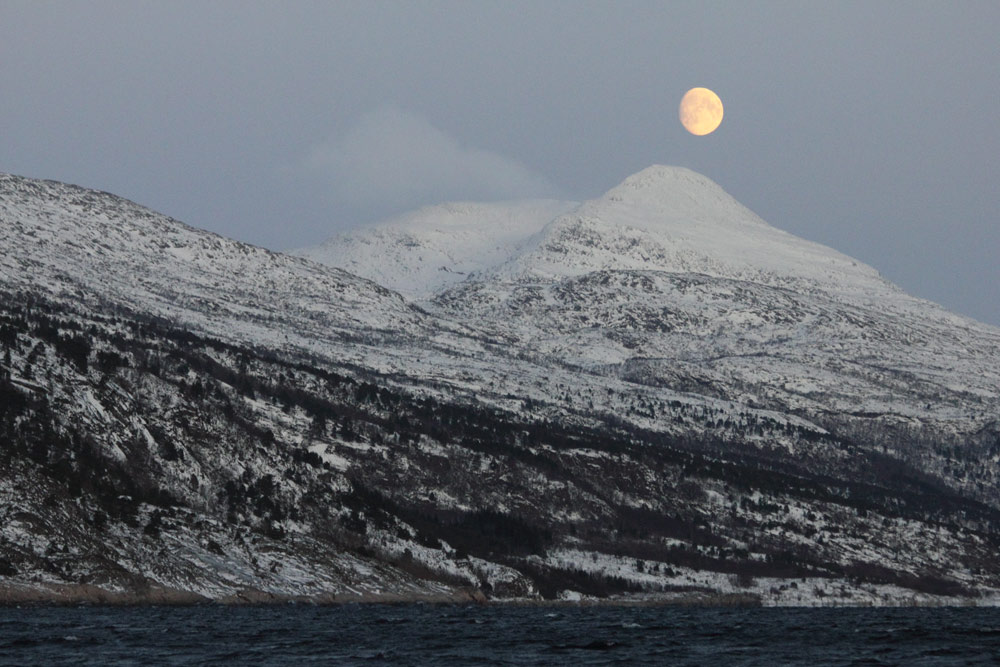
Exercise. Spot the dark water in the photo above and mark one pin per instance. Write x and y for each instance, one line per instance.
(436, 635)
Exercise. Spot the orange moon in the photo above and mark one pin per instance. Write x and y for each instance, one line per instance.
(701, 111)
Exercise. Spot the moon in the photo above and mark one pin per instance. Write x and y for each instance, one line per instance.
(701, 111)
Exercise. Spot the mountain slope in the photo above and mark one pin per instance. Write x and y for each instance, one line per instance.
(91, 246)
(145, 463)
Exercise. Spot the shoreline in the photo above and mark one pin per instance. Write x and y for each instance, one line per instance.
(13, 595)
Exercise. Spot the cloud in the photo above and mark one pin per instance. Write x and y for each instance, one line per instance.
(392, 161)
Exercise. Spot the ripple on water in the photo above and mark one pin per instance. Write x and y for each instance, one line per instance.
(299, 635)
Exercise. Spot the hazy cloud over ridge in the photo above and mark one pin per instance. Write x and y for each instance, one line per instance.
(392, 160)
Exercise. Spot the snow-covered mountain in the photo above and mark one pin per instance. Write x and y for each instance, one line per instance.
(667, 280)
(668, 270)
(654, 392)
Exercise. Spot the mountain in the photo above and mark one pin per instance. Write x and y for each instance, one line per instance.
(666, 280)
(651, 395)
(673, 219)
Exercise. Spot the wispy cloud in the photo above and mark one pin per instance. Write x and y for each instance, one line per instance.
(392, 160)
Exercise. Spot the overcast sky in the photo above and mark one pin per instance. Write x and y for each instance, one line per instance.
(871, 127)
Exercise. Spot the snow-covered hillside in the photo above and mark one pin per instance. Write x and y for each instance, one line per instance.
(92, 246)
(419, 253)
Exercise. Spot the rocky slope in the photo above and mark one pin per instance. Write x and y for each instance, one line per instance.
(605, 404)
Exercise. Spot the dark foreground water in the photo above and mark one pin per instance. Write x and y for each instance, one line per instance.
(442, 635)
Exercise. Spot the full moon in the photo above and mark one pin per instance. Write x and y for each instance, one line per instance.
(701, 111)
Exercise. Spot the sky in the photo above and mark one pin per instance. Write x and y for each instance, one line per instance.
(871, 127)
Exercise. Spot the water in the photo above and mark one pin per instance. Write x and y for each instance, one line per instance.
(444, 635)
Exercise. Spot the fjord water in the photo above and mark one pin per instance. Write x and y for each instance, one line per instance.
(451, 635)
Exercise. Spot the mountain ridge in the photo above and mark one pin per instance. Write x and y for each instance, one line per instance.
(420, 252)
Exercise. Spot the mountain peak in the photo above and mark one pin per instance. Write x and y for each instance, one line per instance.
(675, 220)
(659, 176)
(662, 194)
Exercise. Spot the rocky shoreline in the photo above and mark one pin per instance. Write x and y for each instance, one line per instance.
(86, 594)
(57, 595)
(13, 594)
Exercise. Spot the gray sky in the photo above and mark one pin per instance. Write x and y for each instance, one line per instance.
(871, 126)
